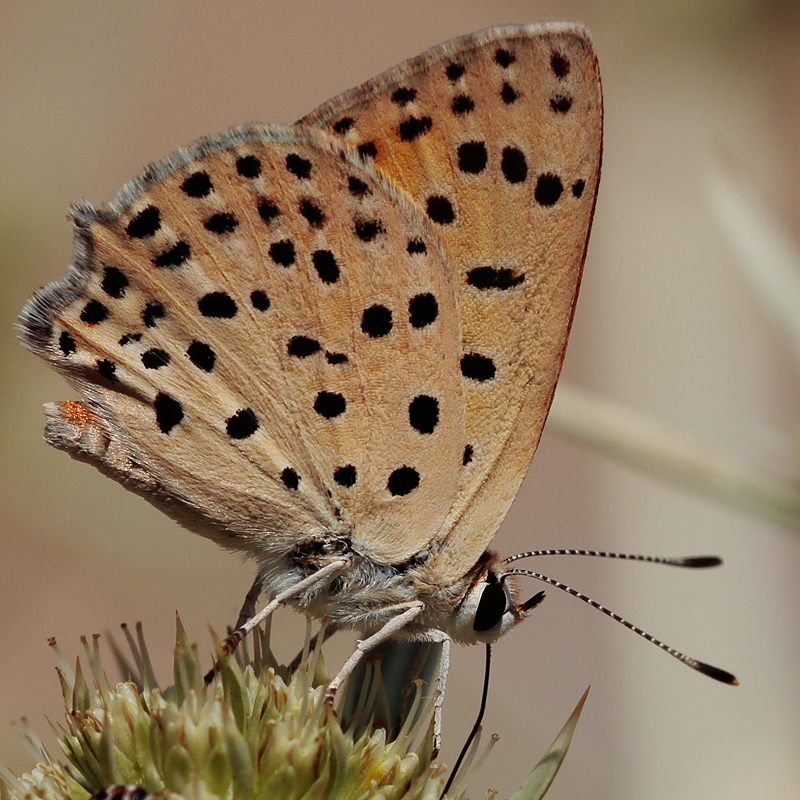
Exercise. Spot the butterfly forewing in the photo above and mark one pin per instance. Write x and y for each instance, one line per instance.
(268, 332)
(497, 137)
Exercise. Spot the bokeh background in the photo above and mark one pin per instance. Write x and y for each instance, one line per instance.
(90, 92)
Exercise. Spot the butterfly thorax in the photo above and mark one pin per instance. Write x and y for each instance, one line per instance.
(365, 594)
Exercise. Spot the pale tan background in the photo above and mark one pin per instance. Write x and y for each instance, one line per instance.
(92, 91)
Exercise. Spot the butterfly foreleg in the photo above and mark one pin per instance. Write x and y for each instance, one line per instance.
(326, 573)
(408, 612)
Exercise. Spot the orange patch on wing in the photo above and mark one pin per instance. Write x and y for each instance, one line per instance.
(76, 413)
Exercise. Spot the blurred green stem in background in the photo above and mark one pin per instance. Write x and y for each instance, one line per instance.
(770, 263)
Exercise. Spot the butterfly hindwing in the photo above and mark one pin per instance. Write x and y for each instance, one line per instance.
(266, 342)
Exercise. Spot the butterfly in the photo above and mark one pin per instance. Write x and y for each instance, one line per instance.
(332, 345)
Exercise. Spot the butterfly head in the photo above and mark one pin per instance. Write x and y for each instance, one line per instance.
(491, 605)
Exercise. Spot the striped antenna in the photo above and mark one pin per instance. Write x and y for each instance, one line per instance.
(712, 672)
(693, 562)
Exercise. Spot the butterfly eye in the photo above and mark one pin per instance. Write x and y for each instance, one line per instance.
(491, 607)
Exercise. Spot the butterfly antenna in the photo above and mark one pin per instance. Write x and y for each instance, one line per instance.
(475, 728)
(692, 562)
(712, 672)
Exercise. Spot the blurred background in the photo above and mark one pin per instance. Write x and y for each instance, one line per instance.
(91, 92)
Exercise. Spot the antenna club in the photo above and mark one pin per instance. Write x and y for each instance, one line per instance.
(721, 675)
(701, 562)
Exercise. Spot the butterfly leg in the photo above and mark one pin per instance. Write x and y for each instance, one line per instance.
(409, 612)
(440, 637)
(249, 606)
(328, 572)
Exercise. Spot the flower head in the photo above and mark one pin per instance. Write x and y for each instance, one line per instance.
(253, 732)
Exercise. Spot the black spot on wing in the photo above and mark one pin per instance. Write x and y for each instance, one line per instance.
(94, 312)
(345, 476)
(494, 278)
(403, 95)
(268, 210)
(326, 266)
(312, 212)
(509, 94)
(282, 252)
(219, 305)
(560, 65)
(259, 300)
(169, 412)
(303, 346)
(504, 58)
(202, 356)
(423, 413)
(440, 209)
(144, 224)
(341, 126)
(107, 369)
(356, 186)
(290, 478)
(242, 424)
(422, 310)
(198, 184)
(299, 167)
(155, 358)
(221, 223)
(472, 157)
(403, 481)
(114, 283)
(66, 344)
(173, 256)
(414, 127)
(376, 321)
(477, 367)
(548, 189)
(330, 404)
(462, 104)
(151, 313)
(513, 165)
(248, 166)
(367, 230)
(367, 150)
(454, 71)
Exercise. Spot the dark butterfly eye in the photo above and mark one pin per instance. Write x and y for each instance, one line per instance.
(491, 607)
